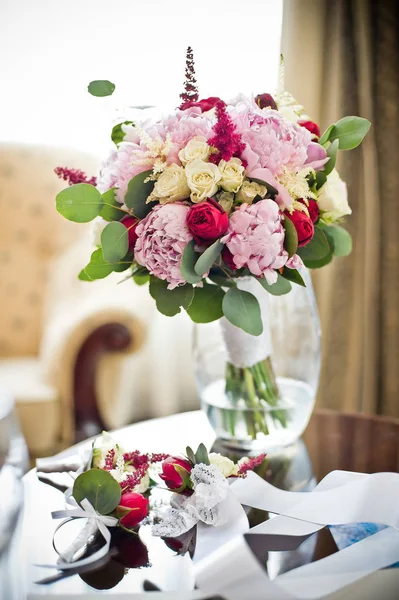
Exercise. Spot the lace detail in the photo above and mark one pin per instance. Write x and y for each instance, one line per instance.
(210, 486)
(173, 523)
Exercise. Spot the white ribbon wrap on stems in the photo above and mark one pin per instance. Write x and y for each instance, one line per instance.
(243, 349)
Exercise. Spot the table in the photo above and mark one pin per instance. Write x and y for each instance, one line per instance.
(332, 441)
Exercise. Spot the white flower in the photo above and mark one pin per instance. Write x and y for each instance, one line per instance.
(249, 190)
(97, 228)
(224, 464)
(232, 174)
(333, 198)
(293, 112)
(143, 485)
(171, 185)
(197, 147)
(226, 201)
(203, 179)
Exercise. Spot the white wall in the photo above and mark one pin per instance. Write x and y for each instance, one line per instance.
(51, 49)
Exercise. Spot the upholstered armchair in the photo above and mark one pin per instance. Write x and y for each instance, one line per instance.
(77, 356)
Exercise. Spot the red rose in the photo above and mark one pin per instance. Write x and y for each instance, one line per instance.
(205, 105)
(310, 126)
(303, 225)
(170, 475)
(131, 224)
(265, 101)
(138, 509)
(228, 259)
(207, 221)
(313, 209)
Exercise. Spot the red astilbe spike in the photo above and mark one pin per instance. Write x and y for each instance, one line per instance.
(250, 465)
(190, 93)
(109, 460)
(73, 176)
(226, 140)
(134, 479)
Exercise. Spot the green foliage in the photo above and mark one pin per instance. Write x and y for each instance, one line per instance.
(190, 455)
(332, 154)
(80, 203)
(317, 249)
(291, 236)
(115, 242)
(321, 178)
(326, 135)
(349, 131)
(339, 239)
(293, 275)
(169, 302)
(242, 310)
(111, 211)
(101, 88)
(98, 268)
(207, 258)
(219, 277)
(188, 262)
(281, 287)
(207, 303)
(100, 489)
(137, 193)
(117, 135)
(201, 456)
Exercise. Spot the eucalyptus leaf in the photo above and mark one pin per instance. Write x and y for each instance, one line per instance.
(190, 455)
(83, 276)
(317, 249)
(220, 278)
(321, 178)
(115, 242)
(169, 302)
(97, 267)
(207, 258)
(339, 239)
(207, 304)
(293, 275)
(117, 135)
(280, 288)
(111, 211)
(190, 257)
(350, 132)
(101, 88)
(141, 276)
(137, 193)
(100, 488)
(326, 135)
(291, 236)
(332, 154)
(201, 456)
(318, 263)
(242, 310)
(80, 203)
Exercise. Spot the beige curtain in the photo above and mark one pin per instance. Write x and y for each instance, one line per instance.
(342, 58)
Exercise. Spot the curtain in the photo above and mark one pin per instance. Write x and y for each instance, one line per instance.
(342, 59)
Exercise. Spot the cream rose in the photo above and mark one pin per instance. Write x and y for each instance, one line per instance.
(195, 148)
(171, 185)
(226, 201)
(249, 190)
(202, 179)
(224, 464)
(293, 112)
(232, 174)
(333, 198)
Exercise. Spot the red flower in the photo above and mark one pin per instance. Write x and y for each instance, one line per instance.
(138, 509)
(207, 221)
(131, 223)
(228, 259)
(170, 475)
(310, 126)
(133, 552)
(313, 209)
(265, 101)
(205, 104)
(303, 225)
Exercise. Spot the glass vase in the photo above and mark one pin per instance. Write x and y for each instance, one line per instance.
(259, 392)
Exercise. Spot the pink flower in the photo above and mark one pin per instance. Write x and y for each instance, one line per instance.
(162, 237)
(255, 238)
(119, 170)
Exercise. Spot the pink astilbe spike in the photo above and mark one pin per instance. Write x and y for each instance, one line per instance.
(190, 93)
(225, 139)
(109, 460)
(134, 479)
(250, 465)
(73, 176)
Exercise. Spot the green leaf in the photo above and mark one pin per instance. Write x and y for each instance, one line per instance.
(83, 276)
(293, 275)
(101, 88)
(111, 211)
(291, 236)
(141, 276)
(80, 203)
(207, 304)
(208, 257)
(190, 455)
(137, 194)
(115, 242)
(169, 302)
(326, 135)
(242, 310)
(201, 456)
(281, 287)
(350, 131)
(321, 178)
(221, 278)
(317, 264)
(100, 489)
(97, 267)
(317, 249)
(332, 154)
(117, 135)
(339, 239)
(189, 259)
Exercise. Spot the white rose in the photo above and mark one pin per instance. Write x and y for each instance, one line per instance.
(249, 190)
(232, 174)
(333, 198)
(202, 179)
(293, 112)
(226, 201)
(224, 464)
(195, 148)
(98, 227)
(171, 185)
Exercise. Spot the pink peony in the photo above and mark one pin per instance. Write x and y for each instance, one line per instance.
(119, 170)
(255, 238)
(162, 237)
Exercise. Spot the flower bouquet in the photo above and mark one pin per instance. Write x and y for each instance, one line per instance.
(219, 205)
